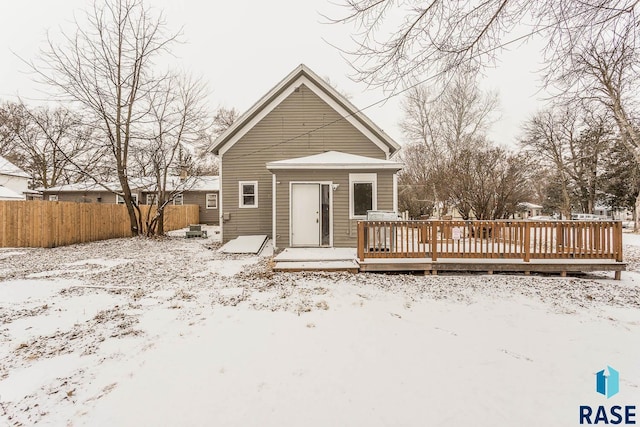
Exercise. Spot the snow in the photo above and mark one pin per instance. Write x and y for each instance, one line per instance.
(316, 265)
(9, 194)
(244, 245)
(8, 168)
(316, 254)
(173, 332)
(4, 254)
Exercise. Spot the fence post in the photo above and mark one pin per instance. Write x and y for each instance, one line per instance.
(434, 241)
(527, 241)
(361, 240)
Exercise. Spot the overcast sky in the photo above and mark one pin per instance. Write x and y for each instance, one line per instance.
(243, 48)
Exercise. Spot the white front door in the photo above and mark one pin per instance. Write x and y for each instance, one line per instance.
(305, 214)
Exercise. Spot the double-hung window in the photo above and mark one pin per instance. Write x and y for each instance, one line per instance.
(120, 199)
(178, 200)
(248, 192)
(212, 201)
(362, 194)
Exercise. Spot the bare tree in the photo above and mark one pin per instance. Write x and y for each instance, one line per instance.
(573, 143)
(108, 67)
(398, 41)
(180, 117)
(438, 123)
(206, 160)
(488, 182)
(47, 143)
(605, 73)
(223, 119)
(591, 52)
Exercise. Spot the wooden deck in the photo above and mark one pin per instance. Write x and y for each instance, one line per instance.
(491, 246)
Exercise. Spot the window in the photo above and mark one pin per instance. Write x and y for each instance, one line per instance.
(248, 194)
(53, 197)
(178, 200)
(120, 199)
(152, 199)
(212, 201)
(362, 194)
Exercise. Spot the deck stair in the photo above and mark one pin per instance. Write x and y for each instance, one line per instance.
(317, 259)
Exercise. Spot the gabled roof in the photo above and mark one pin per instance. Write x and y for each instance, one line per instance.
(303, 75)
(80, 187)
(530, 205)
(334, 160)
(8, 168)
(8, 194)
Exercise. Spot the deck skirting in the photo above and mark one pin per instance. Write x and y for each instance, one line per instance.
(489, 265)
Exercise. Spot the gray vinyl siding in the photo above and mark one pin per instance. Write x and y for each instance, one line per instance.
(207, 216)
(344, 229)
(80, 197)
(282, 134)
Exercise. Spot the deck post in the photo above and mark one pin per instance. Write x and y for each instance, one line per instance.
(617, 239)
(527, 241)
(434, 241)
(361, 240)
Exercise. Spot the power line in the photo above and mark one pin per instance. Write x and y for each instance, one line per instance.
(385, 99)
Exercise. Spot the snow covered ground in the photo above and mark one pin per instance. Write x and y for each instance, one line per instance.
(171, 332)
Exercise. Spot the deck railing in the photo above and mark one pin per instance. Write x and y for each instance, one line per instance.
(524, 240)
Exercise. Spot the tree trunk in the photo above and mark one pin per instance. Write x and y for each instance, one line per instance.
(128, 201)
(636, 217)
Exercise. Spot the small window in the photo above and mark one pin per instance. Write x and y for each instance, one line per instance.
(212, 201)
(152, 199)
(120, 199)
(178, 200)
(362, 194)
(248, 194)
(53, 197)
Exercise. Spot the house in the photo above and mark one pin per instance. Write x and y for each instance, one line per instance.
(196, 190)
(14, 182)
(528, 210)
(303, 165)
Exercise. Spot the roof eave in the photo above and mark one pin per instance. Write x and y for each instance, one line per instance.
(337, 166)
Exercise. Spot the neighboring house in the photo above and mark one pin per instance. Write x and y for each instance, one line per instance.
(196, 190)
(201, 190)
(303, 165)
(527, 210)
(607, 212)
(14, 182)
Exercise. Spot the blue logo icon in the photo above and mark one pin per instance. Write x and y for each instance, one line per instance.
(608, 385)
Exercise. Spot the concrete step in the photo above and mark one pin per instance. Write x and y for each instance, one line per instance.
(342, 265)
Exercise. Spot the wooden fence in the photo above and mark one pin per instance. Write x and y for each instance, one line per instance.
(524, 240)
(50, 224)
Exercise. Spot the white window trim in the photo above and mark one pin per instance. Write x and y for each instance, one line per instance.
(53, 197)
(178, 197)
(206, 200)
(240, 200)
(363, 178)
(152, 197)
(134, 196)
